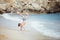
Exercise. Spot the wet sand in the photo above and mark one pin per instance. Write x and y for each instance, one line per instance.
(10, 34)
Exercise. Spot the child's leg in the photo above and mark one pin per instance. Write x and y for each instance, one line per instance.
(21, 26)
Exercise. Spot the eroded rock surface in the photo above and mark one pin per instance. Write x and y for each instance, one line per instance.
(36, 6)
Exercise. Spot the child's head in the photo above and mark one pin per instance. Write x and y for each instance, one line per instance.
(19, 24)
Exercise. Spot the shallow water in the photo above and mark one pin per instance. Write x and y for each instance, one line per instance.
(47, 24)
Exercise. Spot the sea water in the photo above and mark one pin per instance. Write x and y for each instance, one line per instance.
(46, 24)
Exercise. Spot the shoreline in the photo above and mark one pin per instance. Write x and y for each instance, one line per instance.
(9, 34)
(9, 28)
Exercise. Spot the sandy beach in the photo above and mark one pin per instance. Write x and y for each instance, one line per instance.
(10, 34)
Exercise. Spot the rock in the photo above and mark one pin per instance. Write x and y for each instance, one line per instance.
(41, 6)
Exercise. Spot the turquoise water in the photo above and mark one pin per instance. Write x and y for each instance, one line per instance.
(47, 24)
(47, 18)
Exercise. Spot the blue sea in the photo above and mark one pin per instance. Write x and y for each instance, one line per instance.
(47, 24)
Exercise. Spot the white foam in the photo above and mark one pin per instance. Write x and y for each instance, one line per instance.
(45, 31)
(13, 18)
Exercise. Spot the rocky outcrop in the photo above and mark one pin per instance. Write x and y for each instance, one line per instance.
(36, 6)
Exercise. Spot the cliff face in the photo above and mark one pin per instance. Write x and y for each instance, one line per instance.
(37, 6)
